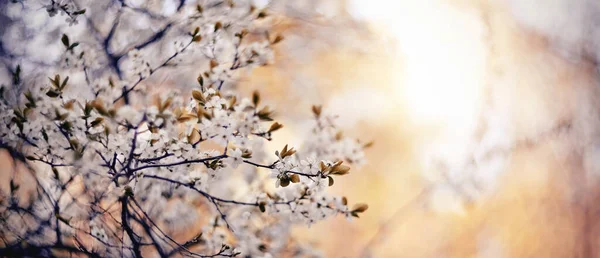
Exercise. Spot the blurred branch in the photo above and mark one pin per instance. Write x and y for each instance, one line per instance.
(386, 226)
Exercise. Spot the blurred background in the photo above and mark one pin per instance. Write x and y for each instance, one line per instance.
(484, 115)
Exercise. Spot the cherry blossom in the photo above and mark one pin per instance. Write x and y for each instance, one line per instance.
(131, 168)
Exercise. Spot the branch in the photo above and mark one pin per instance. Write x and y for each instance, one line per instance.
(127, 227)
(177, 163)
(387, 224)
(126, 90)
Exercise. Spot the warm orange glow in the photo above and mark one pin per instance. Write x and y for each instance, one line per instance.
(435, 90)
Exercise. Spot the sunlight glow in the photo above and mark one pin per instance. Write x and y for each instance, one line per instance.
(443, 56)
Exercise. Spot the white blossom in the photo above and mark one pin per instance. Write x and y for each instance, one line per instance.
(235, 158)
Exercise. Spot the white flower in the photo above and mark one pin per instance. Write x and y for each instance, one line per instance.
(234, 158)
(130, 114)
(310, 166)
(215, 102)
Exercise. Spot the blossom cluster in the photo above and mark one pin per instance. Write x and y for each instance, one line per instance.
(122, 171)
(155, 156)
(64, 7)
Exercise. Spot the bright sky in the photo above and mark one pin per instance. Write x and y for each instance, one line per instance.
(443, 59)
(443, 53)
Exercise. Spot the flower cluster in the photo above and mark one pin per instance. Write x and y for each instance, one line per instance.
(327, 133)
(64, 7)
(155, 157)
(120, 170)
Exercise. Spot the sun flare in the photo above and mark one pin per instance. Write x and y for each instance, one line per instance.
(443, 67)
